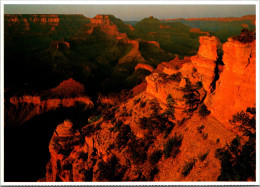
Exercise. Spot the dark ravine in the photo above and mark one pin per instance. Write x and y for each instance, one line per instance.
(30, 142)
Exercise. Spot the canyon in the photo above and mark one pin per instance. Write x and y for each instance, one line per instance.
(125, 103)
(81, 155)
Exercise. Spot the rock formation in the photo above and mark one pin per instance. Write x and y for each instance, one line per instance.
(144, 66)
(67, 94)
(221, 19)
(105, 24)
(26, 21)
(205, 61)
(123, 141)
(236, 87)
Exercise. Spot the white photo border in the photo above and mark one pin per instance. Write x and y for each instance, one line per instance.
(163, 2)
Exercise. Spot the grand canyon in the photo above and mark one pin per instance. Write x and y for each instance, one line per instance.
(102, 99)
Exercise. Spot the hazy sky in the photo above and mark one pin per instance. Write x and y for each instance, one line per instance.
(136, 12)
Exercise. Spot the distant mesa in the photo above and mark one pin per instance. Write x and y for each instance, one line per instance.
(251, 18)
(68, 88)
(197, 30)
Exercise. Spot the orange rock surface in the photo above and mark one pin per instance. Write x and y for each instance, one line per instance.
(68, 88)
(144, 66)
(236, 87)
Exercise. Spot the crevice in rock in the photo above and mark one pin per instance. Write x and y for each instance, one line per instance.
(250, 55)
(216, 71)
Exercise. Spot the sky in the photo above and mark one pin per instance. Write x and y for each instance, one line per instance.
(136, 12)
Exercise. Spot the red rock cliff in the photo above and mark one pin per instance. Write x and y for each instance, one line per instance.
(26, 21)
(205, 61)
(236, 87)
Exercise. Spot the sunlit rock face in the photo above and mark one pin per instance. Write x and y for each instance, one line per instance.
(208, 47)
(68, 93)
(82, 154)
(205, 61)
(236, 87)
(25, 21)
(144, 66)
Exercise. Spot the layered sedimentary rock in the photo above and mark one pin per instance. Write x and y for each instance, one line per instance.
(170, 77)
(68, 88)
(25, 21)
(69, 93)
(221, 19)
(105, 24)
(112, 144)
(37, 18)
(205, 61)
(236, 87)
(144, 66)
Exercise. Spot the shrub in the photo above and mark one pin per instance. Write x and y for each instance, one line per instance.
(191, 96)
(94, 119)
(110, 171)
(246, 36)
(155, 157)
(172, 146)
(123, 136)
(181, 122)
(199, 85)
(170, 100)
(152, 173)
(200, 128)
(203, 111)
(117, 126)
(238, 162)
(137, 150)
(142, 104)
(202, 157)
(188, 167)
(83, 155)
(176, 77)
(204, 136)
(155, 107)
(169, 129)
(137, 101)
(90, 129)
(154, 122)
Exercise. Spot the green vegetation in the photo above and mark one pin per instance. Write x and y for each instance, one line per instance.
(223, 30)
(191, 96)
(204, 135)
(203, 111)
(155, 157)
(153, 172)
(169, 112)
(200, 128)
(117, 126)
(137, 149)
(176, 77)
(174, 38)
(188, 167)
(110, 171)
(171, 148)
(238, 161)
(93, 119)
(123, 136)
(246, 36)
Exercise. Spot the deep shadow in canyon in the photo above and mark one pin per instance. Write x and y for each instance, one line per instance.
(26, 148)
